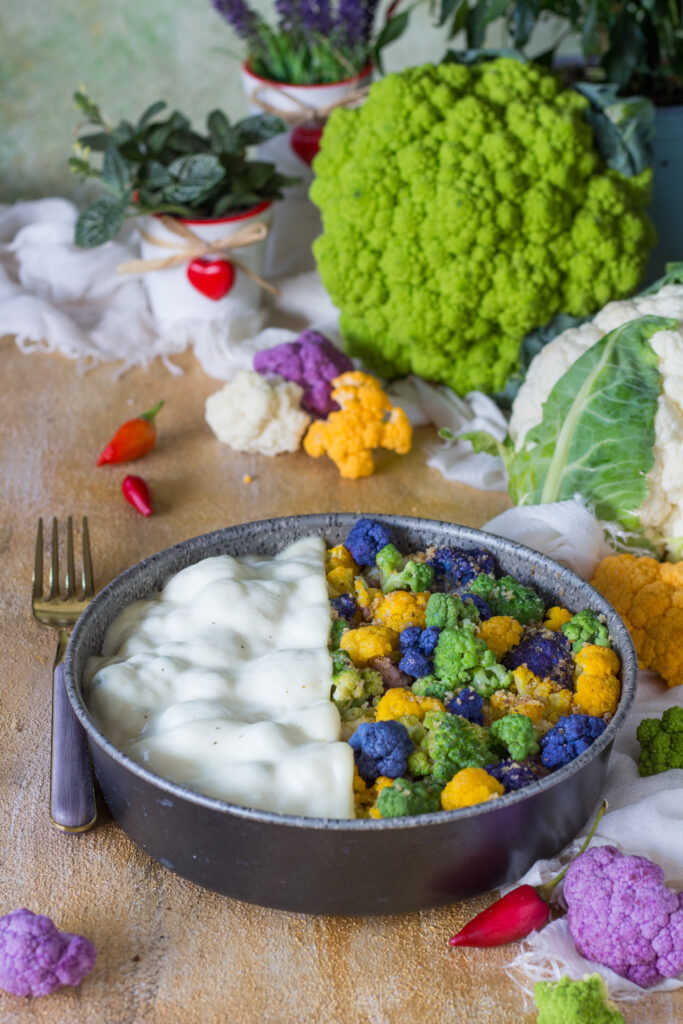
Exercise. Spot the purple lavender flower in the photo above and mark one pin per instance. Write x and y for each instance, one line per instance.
(288, 11)
(355, 21)
(245, 22)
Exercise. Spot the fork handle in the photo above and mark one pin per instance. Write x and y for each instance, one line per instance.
(72, 794)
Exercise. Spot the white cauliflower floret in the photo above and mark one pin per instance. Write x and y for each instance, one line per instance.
(258, 414)
(662, 512)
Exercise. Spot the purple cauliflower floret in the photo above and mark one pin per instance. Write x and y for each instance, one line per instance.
(568, 738)
(480, 604)
(381, 748)
(410, 637)
(457, 566)
(418, 647)
(429, 638)
(345, 606)
(548, 655)
(365, 539)
(512, 774)
(621, 915)
(36, 958)
(415, 663)
(312, 362)
(468, 704)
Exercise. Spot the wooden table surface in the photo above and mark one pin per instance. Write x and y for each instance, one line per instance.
(170, 952)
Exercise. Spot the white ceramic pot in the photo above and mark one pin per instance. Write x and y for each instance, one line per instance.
(288, 249)
(208, 287)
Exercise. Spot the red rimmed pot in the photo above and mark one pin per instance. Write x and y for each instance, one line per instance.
(206, 287)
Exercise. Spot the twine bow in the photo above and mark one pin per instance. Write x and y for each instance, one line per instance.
(306, 114)
(194, 247)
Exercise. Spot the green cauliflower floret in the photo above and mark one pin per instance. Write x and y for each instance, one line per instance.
(586, 628)
(464, 206)
(404, 797)
(352, 686)
(431, 686)
(507, 596)
(416, 729)
(415, 576)
(337, 630)
(340, 661)
(447, 611)
(516, 733)
(459, 653)
(661, 742)
(575, 1002)
(490, 678)
(452, 743)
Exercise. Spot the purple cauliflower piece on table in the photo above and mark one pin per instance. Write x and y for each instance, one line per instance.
(468, 704)
(36, 958)
(311, 361)
(457, 566)
(512, 774)
(622, 915)
(548, 655)
(569, 737)
(381, 748)
(366, 537)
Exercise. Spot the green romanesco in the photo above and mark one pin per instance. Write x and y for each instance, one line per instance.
(404, 797)
(432, 686)
(415, 576)
(517, 734)
(464, 206)
(661, 742)
(489, 679)
(447, 611)
(459, 653)
(507, 596)
(586, 628)
(575, 1002)
(451, 743)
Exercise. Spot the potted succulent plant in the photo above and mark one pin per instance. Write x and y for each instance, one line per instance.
(203, 205)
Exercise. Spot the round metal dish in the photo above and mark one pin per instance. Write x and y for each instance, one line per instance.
(322, 866)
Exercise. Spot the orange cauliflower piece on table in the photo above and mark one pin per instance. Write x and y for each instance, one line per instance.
(368, 642)
(366, 420)
(401, 609)
(649, 597)
(597, 685)
(500, 633)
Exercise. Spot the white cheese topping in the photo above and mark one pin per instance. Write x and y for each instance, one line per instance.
(221, 682)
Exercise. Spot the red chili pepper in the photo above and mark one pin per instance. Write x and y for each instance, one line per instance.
(133, 439)
(137, 493)
(517, 913)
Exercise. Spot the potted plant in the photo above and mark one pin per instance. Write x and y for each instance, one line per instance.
(203, 205)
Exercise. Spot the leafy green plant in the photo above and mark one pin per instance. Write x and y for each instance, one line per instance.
(164, 166)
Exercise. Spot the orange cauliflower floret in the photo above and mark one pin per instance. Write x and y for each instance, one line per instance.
(500, 633)
(341, 580)
(649, 597)
(365, 595)
(399, 701)
(556, 700)
(364, 795)
(556, 618)
(597, 685)
(470, 786)
(401, 609)
(366, 420)
(339, 555)
(502, 702)
(368, 642)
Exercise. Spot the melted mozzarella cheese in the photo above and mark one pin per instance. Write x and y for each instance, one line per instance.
(221, 682)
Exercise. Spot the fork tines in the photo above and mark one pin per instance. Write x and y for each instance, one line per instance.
(70, 578)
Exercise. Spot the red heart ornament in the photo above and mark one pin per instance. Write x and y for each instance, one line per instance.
(213, 278)
(305, 141)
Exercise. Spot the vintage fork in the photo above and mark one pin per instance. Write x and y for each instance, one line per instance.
(72, 795)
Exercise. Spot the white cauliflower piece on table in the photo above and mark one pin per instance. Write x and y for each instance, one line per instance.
(258, 414)
(662, 512)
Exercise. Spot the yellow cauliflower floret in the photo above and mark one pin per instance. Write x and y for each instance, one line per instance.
(339, 555)
(365, 595)
(366, 420)
(401, 609)
(598, 661)
(399, 701)
(557, 700)
(502, 702)
(341, 579)
(597, 688)
(368, 642)
(470, 786)
(500, 633)
(381, 782)
(556, 618)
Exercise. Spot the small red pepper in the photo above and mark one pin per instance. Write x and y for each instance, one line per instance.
(133, 439)
(518, 913)
(137, 493)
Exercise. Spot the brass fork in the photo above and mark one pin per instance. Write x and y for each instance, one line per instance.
(72, 796)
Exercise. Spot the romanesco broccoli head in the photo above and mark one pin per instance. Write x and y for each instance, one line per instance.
(661, 742)
(575, 1002)
(352, 687)
(507, 596)
(463, 206)
(430, 686)
(458, 655)
(586, 628)
(447, 611)
(517, 734)
(404, 797)
(453, 743)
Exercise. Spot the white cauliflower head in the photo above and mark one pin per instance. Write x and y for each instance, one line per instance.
(258, 414)
(662, 513)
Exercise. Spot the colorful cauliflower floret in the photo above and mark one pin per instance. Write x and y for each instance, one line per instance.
(546, 654)
(366, 420)
(381, 748)
(575, 1002)
(252, 414)
(312, 362)
(400, 574)
(337, 630)
(36, 958)
(661, 742)
(512, 775)
(507, 596)
(341, 580)
(398, 702)
(468, 704)
(366, 596)
(345, 606)
(455, 567)
(417, 646)
(556, 700)
(586, 628)
(517, 734)
(622, 915)
(468, 787)
(339, 555)
(364, 540)
(556, 617)
(352, 687)
(399, 610)
(597, 687)
(405, 797)
(451, 743)
(500, 633)
(505, 702)
(459, 653)
(368, 642)
(570, 737)
(448, 611)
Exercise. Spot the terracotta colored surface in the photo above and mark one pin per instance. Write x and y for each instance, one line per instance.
(170, 952)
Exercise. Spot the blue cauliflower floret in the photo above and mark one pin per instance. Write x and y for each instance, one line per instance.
(429, 638)
(548, 655)
(418, 647)
(479, 603)
(415, 663)
(512, 774)
(36, 958)
(345, 606)
(468, 704)
(568, 738)
(381, 748)
(410, 637)
(457, 566)
(365, 539)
